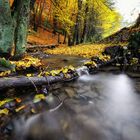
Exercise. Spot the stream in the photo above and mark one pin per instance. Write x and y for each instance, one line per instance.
(59, 61)
(102, 106)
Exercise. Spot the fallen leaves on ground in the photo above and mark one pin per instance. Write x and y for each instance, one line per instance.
(5, 73)
(65, 71)
(43, 37)
(87, 51)
(27, 62)
(88, 63)
(20, 105)
(4, 111)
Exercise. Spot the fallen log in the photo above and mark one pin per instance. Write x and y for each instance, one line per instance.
(34, 47)
(23, 81)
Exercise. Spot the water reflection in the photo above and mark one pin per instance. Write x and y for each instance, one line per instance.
(100, 107)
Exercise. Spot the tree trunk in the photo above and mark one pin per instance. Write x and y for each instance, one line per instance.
(21, 29)
(76, 35)
(65, 37)
(70, 42)
(6, 28)
(37, 16)
(58, 39)
(55, 22)
(35, 26)
(23, 81)
(41, 11)
(85, 30)
(13, 26)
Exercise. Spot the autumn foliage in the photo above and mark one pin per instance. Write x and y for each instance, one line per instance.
(73, 21)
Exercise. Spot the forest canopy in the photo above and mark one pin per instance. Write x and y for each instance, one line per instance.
(80, 20)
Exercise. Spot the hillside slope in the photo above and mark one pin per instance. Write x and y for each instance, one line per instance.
(44, 37)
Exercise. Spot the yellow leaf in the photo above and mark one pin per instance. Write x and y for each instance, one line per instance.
(33, 110)
(65, 70)
(39, 97)
(20, 108)
(5, 101)
(47, 73)
(55, 72)
(4, 111)
(71, 67)
(5, 73)
(18, 100)
(29, 75)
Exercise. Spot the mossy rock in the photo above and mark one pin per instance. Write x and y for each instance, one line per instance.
(6, 65)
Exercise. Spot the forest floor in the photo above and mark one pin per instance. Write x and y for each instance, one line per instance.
(83, 50)
(30, 62)
(43, 37)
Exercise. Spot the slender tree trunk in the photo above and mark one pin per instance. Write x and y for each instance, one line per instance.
(13, 26)
(58, 41)
(85, 30)
(76, 36)
(40, 13)
(54, 24)
(55, 18)
(65, 37)
(70, 42)
(35, 20)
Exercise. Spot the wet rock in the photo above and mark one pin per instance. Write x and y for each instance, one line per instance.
(52, 101)
(131, 132)
(9, 128)
(113, 51)
(55, 86)
(82, 91)
(40, 127)
(70, 92)
(97, 60)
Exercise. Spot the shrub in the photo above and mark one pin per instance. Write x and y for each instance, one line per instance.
(134, 44)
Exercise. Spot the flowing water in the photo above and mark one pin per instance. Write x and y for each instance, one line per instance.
(94, 107)
(58, 61)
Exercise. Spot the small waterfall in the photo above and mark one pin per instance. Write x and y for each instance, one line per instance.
(83, 71)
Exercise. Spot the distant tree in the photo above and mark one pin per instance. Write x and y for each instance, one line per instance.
(13, 26)
(85, 24)
(94, 20)
(76, 37)
(38, 9)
